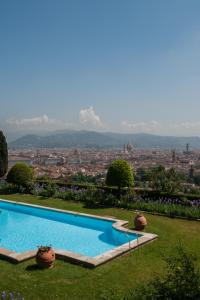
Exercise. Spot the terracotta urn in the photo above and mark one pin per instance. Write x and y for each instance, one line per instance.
(45, 257)
(140, 221)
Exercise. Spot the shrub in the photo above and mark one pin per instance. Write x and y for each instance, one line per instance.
(182, 280)
(89, 197)
(49, 190)
(6, 188)
(109, 200)
(21, 175)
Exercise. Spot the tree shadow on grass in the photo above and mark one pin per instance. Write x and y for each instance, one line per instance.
(43, 198)
(97, 205)
(34, 267)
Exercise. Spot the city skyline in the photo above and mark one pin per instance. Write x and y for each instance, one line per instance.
(119, 66)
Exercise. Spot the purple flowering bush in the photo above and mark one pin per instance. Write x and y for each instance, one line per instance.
(173, 200)
(164, 205)
(11, 296)
(92, 196)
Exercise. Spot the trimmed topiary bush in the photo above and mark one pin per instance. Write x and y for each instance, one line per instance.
(21, 174)
(119, 174)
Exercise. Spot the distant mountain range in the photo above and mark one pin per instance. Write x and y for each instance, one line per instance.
(89, 139)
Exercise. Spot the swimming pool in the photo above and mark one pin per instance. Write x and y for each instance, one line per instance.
(24, 227)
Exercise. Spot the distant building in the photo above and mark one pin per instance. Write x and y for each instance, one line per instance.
(12, 162)
(187, 150)
(128, 148)
(174, 156)
(191, 170)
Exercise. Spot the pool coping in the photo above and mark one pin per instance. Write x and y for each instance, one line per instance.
(87, 261)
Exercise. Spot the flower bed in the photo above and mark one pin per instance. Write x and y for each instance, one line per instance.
(92, 196)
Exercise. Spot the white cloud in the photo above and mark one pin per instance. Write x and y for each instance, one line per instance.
(187, 125)
(141, 126)
(89, 117)
(29, 121)
(89, 120)
(133, 126)
(183, 128)
(41, 122)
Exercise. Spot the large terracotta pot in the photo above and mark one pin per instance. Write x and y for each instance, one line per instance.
(140, 221)
(45, 257)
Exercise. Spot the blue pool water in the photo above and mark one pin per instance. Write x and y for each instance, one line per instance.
(23, 228)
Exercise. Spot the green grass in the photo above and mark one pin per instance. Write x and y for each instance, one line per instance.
(68, 281)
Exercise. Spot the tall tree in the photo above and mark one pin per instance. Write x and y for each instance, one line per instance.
(3, 155)
(165, 180)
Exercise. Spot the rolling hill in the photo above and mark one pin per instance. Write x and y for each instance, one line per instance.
(89, 139)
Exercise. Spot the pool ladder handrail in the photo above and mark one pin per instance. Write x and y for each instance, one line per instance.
(126, 233)
(129, 242)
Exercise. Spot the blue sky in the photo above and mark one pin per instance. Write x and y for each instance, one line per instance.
(107, 65)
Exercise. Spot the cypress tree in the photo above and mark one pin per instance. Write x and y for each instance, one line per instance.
(3, 155)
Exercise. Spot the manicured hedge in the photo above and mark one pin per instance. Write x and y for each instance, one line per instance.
(142, 192)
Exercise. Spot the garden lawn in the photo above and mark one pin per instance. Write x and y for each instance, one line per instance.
(68, 281)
